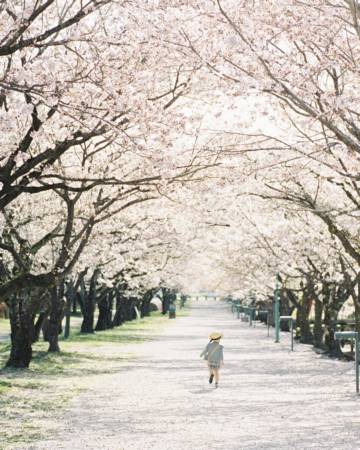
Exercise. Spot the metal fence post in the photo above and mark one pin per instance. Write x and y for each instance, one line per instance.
(277, 312)
(357, 361)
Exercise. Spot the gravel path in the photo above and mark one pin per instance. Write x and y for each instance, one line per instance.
(268, 397)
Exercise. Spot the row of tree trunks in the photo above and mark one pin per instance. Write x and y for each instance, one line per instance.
(327, 302)
(31, 313)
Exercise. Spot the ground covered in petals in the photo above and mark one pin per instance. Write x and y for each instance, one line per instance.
(268, 398)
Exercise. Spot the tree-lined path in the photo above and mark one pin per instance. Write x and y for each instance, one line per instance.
(268, 398)
(152, 147)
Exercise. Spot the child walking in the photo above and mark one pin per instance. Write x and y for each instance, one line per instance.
(213, 353)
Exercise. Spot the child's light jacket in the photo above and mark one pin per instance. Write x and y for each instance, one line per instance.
(213, 352)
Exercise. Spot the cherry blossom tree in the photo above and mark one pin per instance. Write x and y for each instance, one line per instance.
(183, 145)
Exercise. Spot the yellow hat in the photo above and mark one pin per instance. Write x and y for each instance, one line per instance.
(215, 335)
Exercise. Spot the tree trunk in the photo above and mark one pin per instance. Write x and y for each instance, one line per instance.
(39, 325)
(74, 305)
(357, 309)
(69, 302)
(357, 314)
(145, 303)
(330, 316)
(134, 311)
(56, 317)
(183, 299)
(87, 309)
(70, 296)
(103, 306)
(118, 317)
(129, 310)
(303, 321)
(165, 302)
(89, 298)
(145, 307)
(45, 329)
(109, 321)
(318, 329)
(87, 326)
(22, 333)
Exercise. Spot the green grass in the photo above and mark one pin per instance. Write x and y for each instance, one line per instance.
(30, 396)
(4, 385)
(32, 436)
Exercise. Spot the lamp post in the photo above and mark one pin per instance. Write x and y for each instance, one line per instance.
(277, 310)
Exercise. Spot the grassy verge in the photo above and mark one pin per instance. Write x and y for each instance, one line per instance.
(30, 399)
